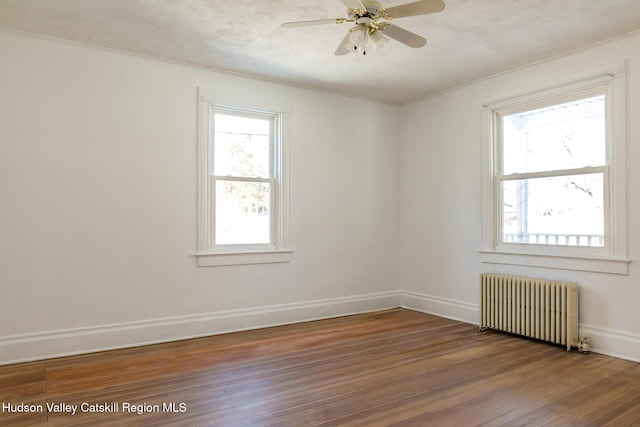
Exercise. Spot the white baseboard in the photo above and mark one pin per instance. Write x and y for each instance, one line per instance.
(49, 344)
(623, 345)
(442, 307)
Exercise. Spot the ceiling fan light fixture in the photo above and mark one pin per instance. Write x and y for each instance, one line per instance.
(359, 35)
(378, 40)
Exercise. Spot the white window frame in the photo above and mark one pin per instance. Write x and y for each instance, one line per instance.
(278, 250)
(612, 258)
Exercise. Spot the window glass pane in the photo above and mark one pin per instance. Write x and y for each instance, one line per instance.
(241, 147)
(565, 210)
(242, 212)
(563, 136)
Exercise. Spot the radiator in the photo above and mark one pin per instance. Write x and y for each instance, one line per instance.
(541, 309)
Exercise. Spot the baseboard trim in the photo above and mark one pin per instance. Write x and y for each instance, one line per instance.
(620, 344)
(442, 307)
(50, 344)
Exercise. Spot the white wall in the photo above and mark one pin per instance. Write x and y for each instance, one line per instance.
(98, 220)
(441, 175)
(98, 205)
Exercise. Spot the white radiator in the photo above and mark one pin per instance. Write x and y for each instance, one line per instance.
(542, 309)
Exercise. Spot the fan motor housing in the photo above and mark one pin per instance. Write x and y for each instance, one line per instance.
(372, 8)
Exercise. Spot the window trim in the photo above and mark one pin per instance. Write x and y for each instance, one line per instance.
(612, 259)
(278, 250)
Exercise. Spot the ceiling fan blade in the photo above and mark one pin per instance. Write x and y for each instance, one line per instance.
(353, 4)
(421, 7)
(313, 22)
(404, 36)
(345, 46)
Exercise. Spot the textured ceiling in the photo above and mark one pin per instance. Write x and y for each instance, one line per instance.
(470, 39)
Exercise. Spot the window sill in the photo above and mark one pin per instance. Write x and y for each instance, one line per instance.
(592, 264)
(210, 259)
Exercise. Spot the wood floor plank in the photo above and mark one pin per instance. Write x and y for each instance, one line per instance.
(396, 367)
(22, 384)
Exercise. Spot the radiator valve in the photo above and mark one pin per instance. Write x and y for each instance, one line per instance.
(583, 346)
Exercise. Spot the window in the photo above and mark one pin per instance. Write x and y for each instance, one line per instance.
(552, 171)
(242, 177)
(555, 196)
(243, 191)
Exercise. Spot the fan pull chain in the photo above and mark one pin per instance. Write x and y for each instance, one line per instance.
(363, 48)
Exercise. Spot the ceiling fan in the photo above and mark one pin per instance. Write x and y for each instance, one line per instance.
(365, 14)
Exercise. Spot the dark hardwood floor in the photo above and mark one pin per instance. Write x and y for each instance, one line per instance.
(396, 367)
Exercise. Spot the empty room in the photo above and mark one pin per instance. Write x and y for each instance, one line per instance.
(301, 213)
